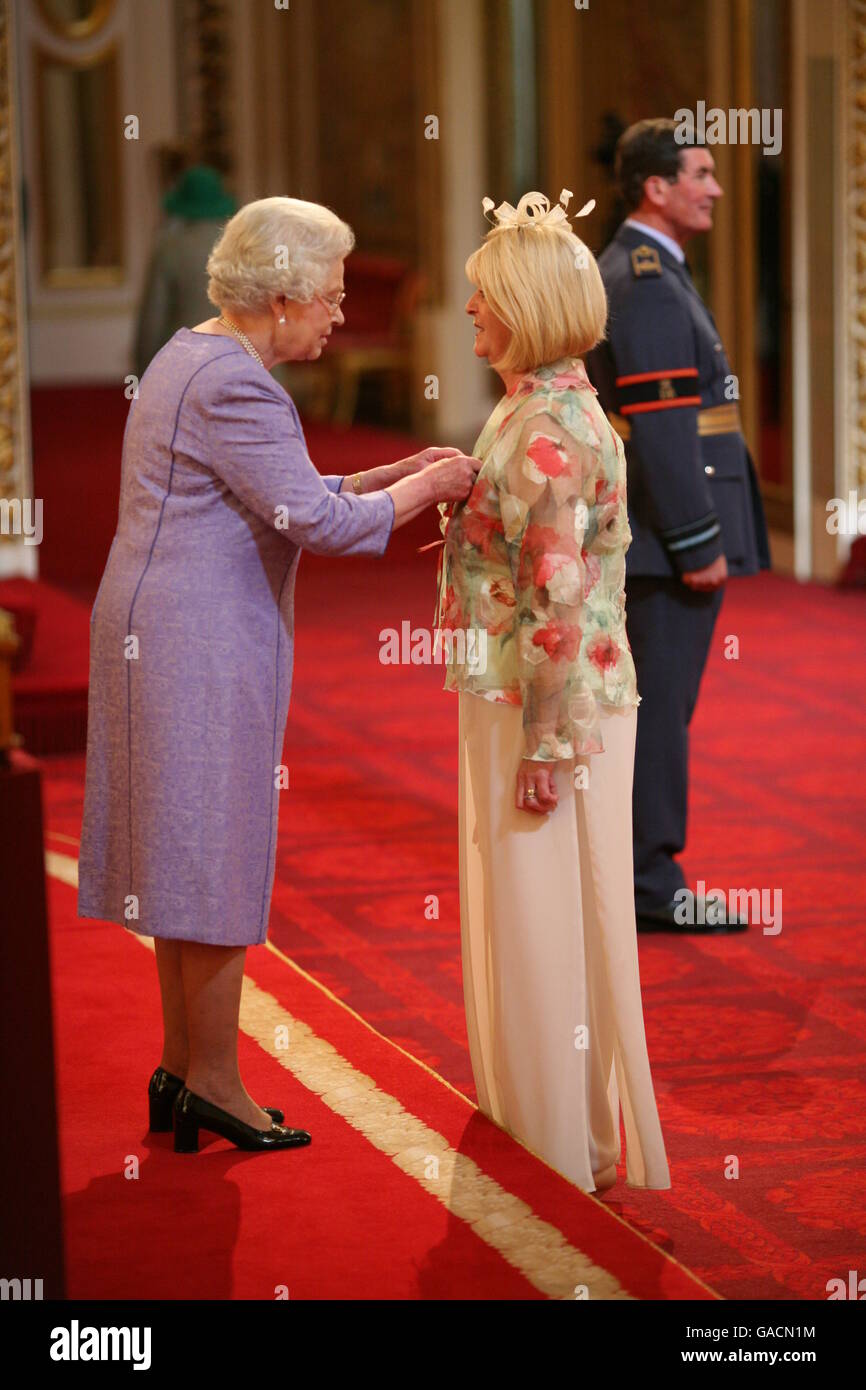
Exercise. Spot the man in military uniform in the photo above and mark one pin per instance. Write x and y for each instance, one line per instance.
(694, 507)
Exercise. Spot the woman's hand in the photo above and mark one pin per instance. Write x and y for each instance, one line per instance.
(536, 787)
(446, 479)
(415, 462)
(452, 477)
(387, 474)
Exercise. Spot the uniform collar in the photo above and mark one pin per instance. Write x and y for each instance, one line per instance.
(631, 237)
(661, 237)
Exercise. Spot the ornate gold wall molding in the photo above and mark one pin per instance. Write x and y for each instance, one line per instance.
(15, 474)
(855, 207)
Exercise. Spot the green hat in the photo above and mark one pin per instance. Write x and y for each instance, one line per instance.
(199, 194)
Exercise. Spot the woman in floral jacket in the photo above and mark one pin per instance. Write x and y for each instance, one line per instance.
(534, 567)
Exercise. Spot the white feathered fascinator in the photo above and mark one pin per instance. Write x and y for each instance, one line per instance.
(533, 210)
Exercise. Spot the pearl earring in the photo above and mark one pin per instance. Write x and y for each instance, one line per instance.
(283, 319)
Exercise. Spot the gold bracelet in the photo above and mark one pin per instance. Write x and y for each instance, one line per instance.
(356, 484)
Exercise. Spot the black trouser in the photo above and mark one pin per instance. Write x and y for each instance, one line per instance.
(669, 630)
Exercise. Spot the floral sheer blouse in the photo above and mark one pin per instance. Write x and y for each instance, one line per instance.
(532, 580)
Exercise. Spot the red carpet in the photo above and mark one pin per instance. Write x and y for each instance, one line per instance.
(341, 1219)
(756, 1043)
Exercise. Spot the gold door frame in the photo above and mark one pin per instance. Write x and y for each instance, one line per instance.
(16, 479)
(853, 307)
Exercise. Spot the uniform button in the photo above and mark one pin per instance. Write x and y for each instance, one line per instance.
(708, 468)
(717, 347)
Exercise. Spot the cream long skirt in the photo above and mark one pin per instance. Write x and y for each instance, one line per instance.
(549, 943)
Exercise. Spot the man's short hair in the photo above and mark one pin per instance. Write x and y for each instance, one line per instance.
(647, 148)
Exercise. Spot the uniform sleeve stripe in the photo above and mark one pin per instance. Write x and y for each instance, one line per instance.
(655, 376)
(674, 532)
(695, 540)
(643, 406)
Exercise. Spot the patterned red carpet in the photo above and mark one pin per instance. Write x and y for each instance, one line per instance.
(756, 1043)
(405, 1193)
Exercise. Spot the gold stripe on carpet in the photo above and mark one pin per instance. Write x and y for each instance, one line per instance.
(540, 1252)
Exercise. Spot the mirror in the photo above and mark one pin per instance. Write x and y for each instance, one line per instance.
(79, 169)
(75, 19)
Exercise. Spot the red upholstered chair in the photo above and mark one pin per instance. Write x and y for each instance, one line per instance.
(382, 295)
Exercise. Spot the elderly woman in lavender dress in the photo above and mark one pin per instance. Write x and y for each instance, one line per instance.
(191, 642)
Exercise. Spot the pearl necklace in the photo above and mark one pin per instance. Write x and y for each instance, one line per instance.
(241, 337)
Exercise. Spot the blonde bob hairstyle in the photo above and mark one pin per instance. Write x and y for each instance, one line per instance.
(544, 284)
(275, 246)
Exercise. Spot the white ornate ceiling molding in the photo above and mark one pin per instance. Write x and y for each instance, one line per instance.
(17, 552)
(855, 161)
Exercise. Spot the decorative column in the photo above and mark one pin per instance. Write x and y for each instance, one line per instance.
(16, 478)
(205, 39)
(464, 383)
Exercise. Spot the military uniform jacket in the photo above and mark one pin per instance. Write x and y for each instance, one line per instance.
(691, 496)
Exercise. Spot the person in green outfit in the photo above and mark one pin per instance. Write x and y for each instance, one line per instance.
(175, 288)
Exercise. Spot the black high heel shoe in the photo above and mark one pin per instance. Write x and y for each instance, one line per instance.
(192, 1112)
(162, 1092)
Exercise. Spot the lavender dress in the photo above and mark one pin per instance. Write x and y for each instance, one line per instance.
(191, 644)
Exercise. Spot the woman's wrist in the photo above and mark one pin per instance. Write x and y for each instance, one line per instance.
(373, 479)
(403, 468)
(412, 494)
(393, 472)
(427, 485)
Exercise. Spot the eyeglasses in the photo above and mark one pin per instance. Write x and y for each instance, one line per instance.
(332, 304)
